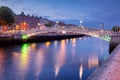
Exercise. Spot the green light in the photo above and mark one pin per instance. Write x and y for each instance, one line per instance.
(24, 48)
(106, 38)
(24, 57)
(24, 36)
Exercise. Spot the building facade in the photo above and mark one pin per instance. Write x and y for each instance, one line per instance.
(23, 21)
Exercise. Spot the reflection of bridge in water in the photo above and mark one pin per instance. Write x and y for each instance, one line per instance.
(102, 34)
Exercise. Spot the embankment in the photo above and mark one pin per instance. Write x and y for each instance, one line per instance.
(110, 69)
(114, 42)
(39, 38)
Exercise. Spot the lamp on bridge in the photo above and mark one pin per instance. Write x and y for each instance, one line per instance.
(101, 27)
(81, 23)
(56, 25)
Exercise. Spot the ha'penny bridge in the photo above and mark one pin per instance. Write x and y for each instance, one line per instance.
(102, 34)
(64, 31)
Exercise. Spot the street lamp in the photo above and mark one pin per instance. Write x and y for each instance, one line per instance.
(38, 26)
(56, 24)
(81, 23)
(101, 27)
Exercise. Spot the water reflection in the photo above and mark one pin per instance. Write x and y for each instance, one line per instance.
(32, 47)
(60, 57)
(70, 59)
(81, 72)
(24, 60)
(66, 40)
(80, 38)
(73, 48)
(39, 61)
(73, 40)
(93, 61)
(56, 42)
(24, 56)
(47, 43)
(2, 60)
(101, 46)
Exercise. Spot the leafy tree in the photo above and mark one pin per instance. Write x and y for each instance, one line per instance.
(6, 16)
(48, 25)
(116, 29)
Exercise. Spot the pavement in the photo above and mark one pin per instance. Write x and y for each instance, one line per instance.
(110, 69)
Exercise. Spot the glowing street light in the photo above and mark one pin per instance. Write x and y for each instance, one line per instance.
(24, 37)
(57, 22)
(24, 26)
(81, 23)
(38, 24)
(56, 25)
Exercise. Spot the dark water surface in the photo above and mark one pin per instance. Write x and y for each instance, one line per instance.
(70, 59)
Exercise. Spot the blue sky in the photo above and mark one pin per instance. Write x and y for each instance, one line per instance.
(92, 12)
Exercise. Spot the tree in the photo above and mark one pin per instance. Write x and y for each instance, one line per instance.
(116, 29)
(6, 16)
(48, 25)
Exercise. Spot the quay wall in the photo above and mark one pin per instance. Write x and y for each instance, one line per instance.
(109, 69)
(9, 40)
(114, 42)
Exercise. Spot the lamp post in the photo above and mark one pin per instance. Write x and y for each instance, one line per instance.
(81, 23)
(101, 27)
(39, 25)
(56, 24)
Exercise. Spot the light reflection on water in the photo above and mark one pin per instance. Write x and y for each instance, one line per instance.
(2, 60)
(93, 61)
(47, 43)
(24, 57)
(70, 59)
(39, 59)
(60, 57)
(73, 48)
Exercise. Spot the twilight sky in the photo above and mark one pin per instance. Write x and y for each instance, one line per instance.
(92, 12)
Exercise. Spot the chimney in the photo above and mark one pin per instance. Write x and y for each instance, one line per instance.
(22, 13)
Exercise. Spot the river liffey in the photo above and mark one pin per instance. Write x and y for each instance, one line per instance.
(68, 59)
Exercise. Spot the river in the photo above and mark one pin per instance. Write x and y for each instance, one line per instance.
(69, 59)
